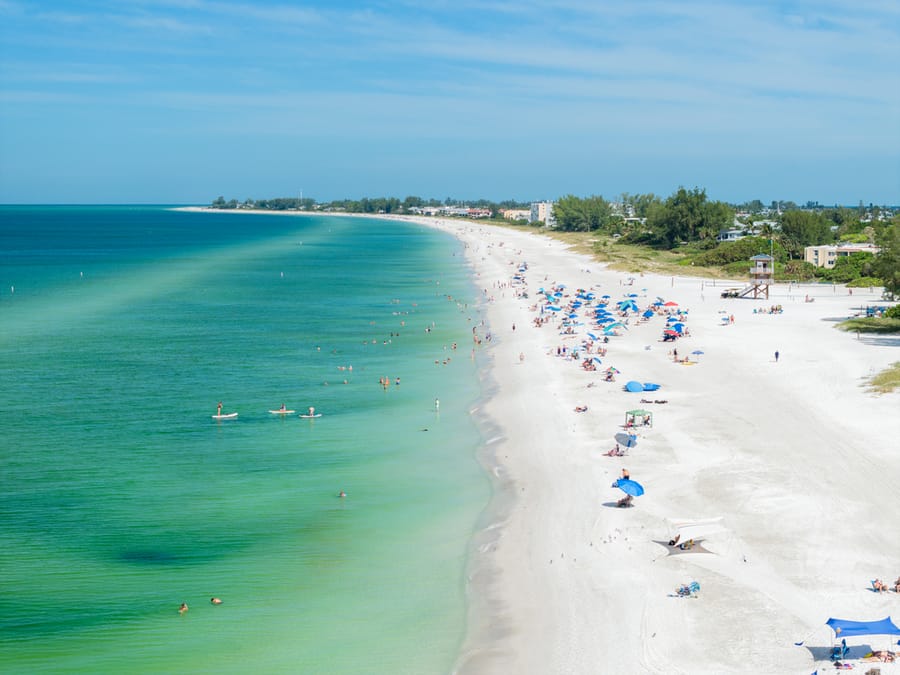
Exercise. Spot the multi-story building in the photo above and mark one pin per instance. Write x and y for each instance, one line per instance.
(543, 212)
(826, 256)
(516, 214)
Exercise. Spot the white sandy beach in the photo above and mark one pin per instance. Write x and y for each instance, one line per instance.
(796, 457)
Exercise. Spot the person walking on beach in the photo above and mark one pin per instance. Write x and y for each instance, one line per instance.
(776, 356)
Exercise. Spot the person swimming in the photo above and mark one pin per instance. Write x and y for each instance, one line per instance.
(215, 601)
(183, 608)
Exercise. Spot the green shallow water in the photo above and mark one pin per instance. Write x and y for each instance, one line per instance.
(121, 498)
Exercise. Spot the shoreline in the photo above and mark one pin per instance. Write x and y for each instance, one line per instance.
(795, 456)
(534, 608)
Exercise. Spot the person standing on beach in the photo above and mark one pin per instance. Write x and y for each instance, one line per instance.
(776, 356)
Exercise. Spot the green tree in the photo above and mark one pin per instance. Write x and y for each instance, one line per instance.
(583, 215)
(887, 262)
(849, 267)
(687, 216)
(804, 228)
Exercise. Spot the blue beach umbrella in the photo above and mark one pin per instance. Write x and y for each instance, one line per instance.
(628, 440)
(592, 336)
(647, 314)
(630, 487)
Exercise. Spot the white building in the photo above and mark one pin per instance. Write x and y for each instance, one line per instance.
(826, 256)
(542, 212)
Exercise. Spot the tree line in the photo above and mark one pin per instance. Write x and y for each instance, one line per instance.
(688, 222)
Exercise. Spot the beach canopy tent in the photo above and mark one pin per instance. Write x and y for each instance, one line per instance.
(631, 417)
(698, 528)
(843, 628)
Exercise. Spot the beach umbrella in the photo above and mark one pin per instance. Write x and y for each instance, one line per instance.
(630, 487)
(697, 352)
(657, 304)
(647, 314)
(606, 296)
(670, 304)
(634, 386)
(678, 327)
(573, 315)
(670, 332)
(612, 370)
(592, 336)
(626, 440)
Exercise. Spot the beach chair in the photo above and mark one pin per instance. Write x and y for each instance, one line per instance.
(840, 651)
(688, 590)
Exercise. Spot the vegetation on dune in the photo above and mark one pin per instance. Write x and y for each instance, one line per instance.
(887, 380)
(871, 325)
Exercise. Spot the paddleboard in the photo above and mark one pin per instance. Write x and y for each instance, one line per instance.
(282, 412)
(309, 417)
(228, 416)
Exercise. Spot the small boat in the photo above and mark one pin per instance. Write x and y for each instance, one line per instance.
(282, 412)
(227, 416)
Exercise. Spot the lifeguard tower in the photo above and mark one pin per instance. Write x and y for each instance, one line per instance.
(762, 275)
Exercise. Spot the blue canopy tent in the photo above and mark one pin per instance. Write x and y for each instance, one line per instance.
(844, 628)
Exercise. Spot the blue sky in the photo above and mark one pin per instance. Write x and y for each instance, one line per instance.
(180, 101)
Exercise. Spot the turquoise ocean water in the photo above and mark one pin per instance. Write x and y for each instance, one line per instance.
(120, 497)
